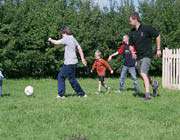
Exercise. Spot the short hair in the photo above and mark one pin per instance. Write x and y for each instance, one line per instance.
(98, 51)
(135, 15)
(65, 30)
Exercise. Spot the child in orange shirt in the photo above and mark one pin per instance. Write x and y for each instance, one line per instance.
(101, 65)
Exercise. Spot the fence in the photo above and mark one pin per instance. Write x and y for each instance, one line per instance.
(171, 68)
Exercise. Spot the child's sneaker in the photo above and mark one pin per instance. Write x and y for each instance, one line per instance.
(155, 86)
(60, 97)
(108, 89)
(84, 96)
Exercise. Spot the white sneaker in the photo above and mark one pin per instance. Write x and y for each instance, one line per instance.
(60, 97)
(85, 96)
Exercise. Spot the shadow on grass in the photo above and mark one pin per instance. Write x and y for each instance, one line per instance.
(5, 95)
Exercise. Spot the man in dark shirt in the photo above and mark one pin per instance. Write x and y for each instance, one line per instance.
(141, 37)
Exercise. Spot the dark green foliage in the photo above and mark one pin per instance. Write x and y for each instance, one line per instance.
(26, 25)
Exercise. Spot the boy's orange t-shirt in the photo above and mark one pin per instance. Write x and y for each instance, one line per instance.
(101, 65)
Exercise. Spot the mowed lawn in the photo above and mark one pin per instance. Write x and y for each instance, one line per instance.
(109, 116)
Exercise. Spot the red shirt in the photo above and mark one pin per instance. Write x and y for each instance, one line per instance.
(101, 65)
(122, 46)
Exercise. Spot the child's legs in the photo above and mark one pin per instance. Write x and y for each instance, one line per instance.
(103, 81)
(99, 86)
(123, 76)
(61, 81)
(132, 71)
(71, 71)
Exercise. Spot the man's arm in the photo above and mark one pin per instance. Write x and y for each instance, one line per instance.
(155, 34)
(81, 55)
(158, 44)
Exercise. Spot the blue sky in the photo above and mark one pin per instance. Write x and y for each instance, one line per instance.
(105, 3)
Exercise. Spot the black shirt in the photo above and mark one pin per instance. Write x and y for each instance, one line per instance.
(142, 40)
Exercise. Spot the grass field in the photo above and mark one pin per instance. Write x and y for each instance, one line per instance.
(98, 117)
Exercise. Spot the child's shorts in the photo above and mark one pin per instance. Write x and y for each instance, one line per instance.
(101, 78)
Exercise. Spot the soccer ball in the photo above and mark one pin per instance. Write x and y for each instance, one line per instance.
(28, 90)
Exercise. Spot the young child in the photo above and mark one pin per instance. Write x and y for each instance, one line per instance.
(129, 63)
(101, 65)
(1, 79)
(68, 70)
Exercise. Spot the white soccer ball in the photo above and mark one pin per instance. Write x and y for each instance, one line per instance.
(28, 90)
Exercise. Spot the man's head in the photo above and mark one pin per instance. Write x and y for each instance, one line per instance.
(65, 30)
(134, 19)
(126, 38)
(97, 54)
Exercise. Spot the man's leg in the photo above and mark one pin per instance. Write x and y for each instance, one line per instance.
(132, 71)
(144, 69)
(72, 79)
(123, 77)
(61, 81)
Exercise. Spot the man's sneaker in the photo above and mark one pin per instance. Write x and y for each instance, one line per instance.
(147, 96)
(60, 97)
(155, 86)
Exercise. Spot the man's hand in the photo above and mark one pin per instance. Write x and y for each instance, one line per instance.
(84, 62)
(158, 53)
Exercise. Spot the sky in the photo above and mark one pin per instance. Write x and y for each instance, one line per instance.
(105, 3)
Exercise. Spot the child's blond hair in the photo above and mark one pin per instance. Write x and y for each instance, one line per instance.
(98, 52)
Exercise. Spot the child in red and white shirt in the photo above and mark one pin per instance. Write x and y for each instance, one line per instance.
(100, 65)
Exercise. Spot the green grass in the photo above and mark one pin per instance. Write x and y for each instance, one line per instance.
(98, 117)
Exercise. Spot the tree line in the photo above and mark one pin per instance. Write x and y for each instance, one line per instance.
(25, 26)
